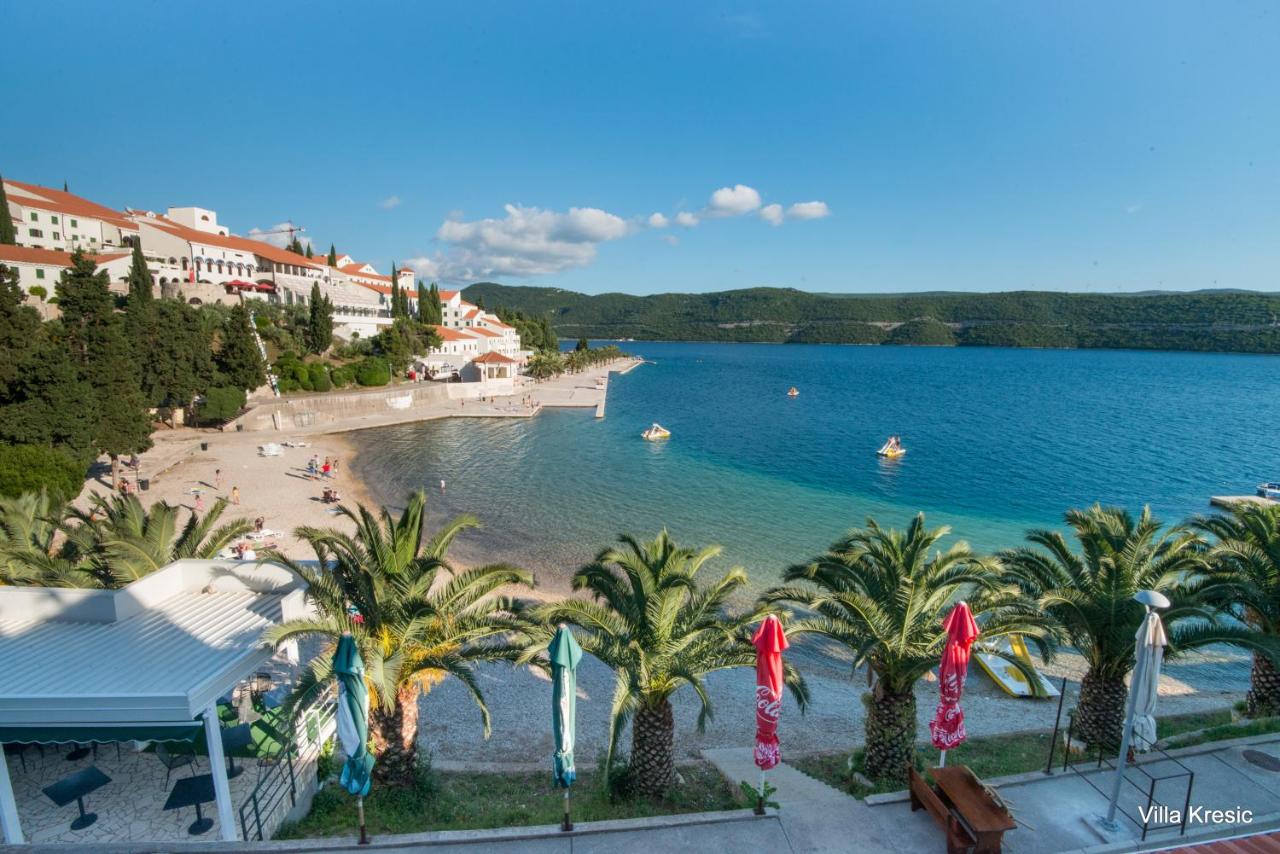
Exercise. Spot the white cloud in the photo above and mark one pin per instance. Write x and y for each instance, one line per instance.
(422, 265)
(528, 241)
(657, 220)
(808, 210)
(733, 201)
(772, 214)
(670, 240)
(686, 219)
(389, 202)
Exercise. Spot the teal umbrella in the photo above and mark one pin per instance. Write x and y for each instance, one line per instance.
(565, 654)
(353, 723)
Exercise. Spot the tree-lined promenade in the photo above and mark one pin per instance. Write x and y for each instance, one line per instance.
(660, 618)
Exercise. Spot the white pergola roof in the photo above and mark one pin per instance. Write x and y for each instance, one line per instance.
(157, 651)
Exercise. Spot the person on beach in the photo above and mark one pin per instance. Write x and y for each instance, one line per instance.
(235, 495)
(311, 468)
(199, 501)
(335, 466)
(257, 524)
(327, 468)
(217, 478)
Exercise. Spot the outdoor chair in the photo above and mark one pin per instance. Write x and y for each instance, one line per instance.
(172, 761)
(20, 750)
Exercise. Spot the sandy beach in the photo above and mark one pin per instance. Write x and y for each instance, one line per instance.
(278, 488)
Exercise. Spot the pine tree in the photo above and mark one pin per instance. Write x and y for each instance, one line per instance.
(333, 256)
(309, 251)
(96, 344)
(8, 236)
(238, 360)
(395, 297)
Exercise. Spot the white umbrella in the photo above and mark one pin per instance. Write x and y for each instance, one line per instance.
(1151, 641)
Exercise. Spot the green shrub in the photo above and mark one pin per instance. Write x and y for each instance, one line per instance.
(343, 376)
(26, 468)
(221, 404)
(319, 376)
(923, 331)
(262, 322)
(373, 371)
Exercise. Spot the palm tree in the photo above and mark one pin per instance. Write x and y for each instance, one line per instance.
(1245, 566)
(415, 620)
(652, 624)
(1090, 595)
(115, 541)
(882, 594)
(28, 529)
(118, 540)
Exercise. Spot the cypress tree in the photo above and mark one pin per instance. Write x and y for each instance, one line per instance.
(8, 236)
(319, 322)
(309, 250)
(333, 256)
(96, 345)
(395, 298)
(238, 360)
(140, 288)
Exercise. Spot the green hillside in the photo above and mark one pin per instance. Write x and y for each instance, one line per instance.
(1230, 321)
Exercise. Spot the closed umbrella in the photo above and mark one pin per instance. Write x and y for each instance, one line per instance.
(353, 723)
(565, 654)
(769, 641)
(1148, 653)
(1151, 641)
(947, 727)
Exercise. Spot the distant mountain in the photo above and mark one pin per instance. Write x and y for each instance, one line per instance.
(1225, 320)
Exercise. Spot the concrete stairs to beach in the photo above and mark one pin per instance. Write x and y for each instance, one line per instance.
(794, 786)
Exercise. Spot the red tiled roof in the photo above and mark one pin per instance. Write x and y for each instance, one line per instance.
(447, 295)
(243, 244)
(51, 257)
(492, 358)
(66, 203)
(488, 333)
(453, 334)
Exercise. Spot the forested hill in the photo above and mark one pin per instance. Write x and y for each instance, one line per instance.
(1207, 320)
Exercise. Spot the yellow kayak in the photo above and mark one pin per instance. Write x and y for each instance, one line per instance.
(891, 453)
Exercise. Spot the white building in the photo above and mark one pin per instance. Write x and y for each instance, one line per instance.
(43, 267)
(46, 218)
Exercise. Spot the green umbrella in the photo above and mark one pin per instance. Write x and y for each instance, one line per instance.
(565, 654)
(353, 723)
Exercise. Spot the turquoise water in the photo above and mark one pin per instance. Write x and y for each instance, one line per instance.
(999, 440)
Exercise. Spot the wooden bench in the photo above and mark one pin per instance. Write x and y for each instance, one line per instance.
(973, 819)
(959, 839)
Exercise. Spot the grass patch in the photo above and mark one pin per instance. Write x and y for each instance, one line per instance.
(460, 801)
(1223, 732)
(1000, 755)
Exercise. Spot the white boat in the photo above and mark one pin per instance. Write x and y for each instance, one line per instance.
(656, 433)
(1270, 489)
(271, 449)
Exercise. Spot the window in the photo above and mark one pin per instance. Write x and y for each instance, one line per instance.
(75, 224)
(39, 273)
(35, 232)
(35, 217)
(53, 218)
(57, 236)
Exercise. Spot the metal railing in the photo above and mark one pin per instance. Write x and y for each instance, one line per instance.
(1150, 770)
(279, 778)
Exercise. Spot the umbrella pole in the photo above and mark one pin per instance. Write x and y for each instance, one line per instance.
(760, 799)
(942, 759)
(364, 837)
(567, 825)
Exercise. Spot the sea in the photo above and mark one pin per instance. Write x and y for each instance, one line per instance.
(999, 441)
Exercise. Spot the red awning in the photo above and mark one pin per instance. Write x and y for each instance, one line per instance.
(236, 283)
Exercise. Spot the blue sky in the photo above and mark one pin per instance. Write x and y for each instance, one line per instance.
(975, 146)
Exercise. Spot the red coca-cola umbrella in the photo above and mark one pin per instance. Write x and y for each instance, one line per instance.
(947, 726)
(769, 641)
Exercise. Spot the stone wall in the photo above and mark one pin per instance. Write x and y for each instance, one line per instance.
(304, 411)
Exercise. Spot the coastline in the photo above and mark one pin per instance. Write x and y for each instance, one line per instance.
(178, 470)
